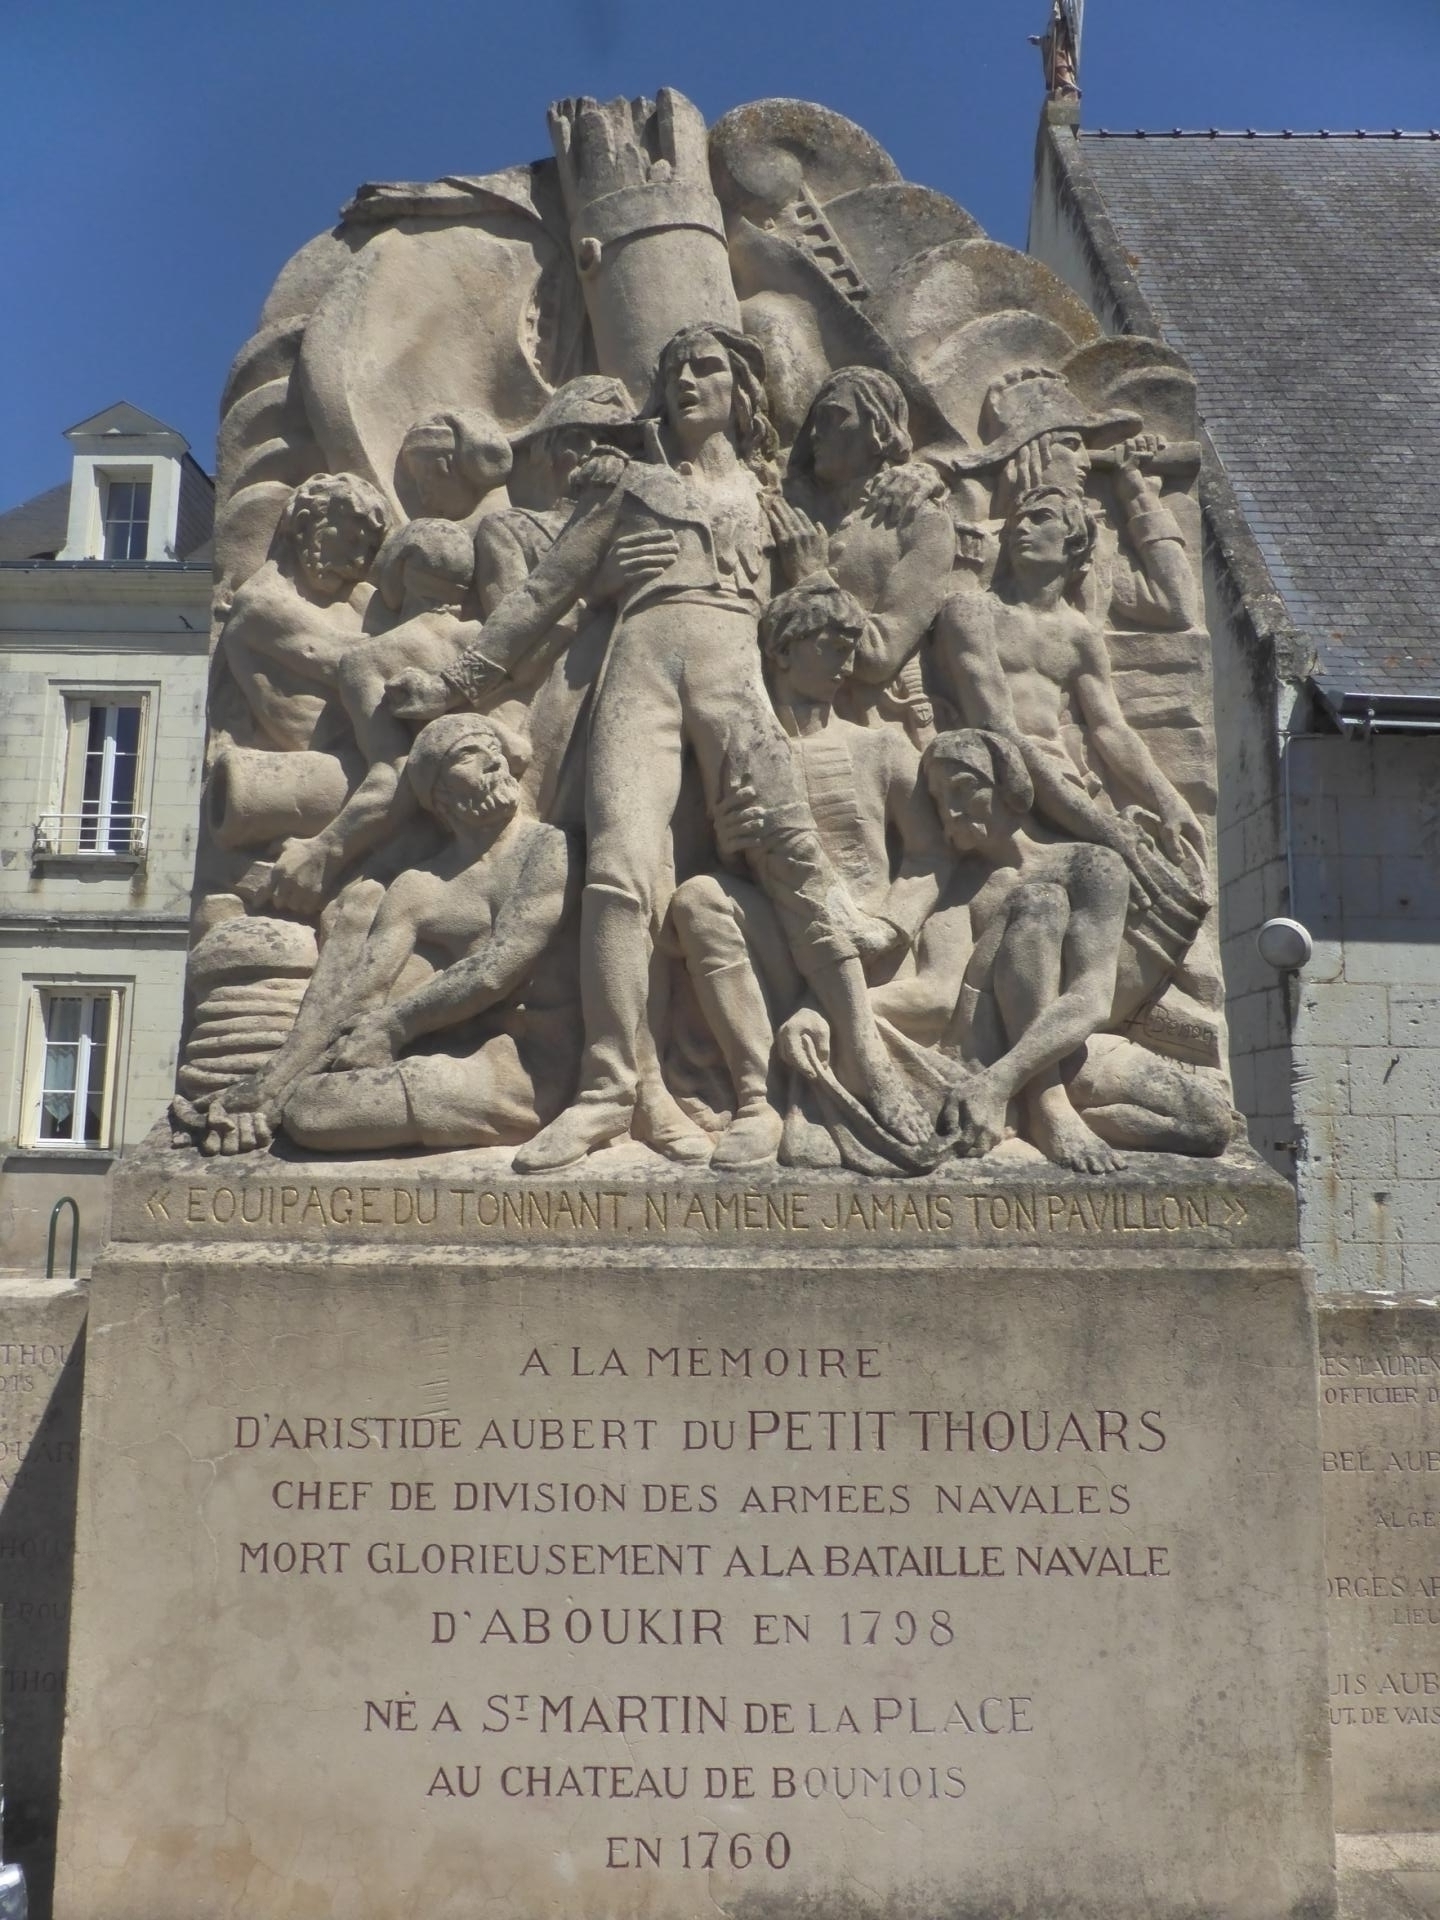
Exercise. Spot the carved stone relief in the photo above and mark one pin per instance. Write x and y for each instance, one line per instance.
(709, 656)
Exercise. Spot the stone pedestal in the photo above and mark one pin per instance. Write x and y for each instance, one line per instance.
(640, 1544)
(1380, 1440)
(41, 1342)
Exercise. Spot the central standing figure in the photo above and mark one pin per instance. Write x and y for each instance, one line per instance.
(683, 542)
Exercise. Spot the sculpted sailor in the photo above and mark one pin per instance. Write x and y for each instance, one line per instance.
(683, 670)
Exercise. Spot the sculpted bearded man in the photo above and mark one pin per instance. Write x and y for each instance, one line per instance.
(360, 1069)
(682, 670)
(293, 623)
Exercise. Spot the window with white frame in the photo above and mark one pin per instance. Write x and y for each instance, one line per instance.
(127, 519)
(104, 746)
(74, 1032)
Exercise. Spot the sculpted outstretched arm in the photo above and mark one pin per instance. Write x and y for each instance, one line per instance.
(1158, 591)
(270, 619)
(1126, 754)
(527, 613)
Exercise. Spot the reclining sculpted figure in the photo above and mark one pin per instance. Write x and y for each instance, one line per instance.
(363, 1067)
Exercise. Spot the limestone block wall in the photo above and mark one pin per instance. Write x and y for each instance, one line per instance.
(1366, 835)
(34, 680)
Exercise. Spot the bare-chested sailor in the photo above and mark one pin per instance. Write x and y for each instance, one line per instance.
(1026, 661)
(293, 622)
(358, 1074)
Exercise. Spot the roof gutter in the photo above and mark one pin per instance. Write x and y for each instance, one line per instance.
(1358, 715)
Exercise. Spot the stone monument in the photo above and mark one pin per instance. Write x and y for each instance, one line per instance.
(700, 1331)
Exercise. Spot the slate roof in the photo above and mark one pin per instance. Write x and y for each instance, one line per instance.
(35, 530)
(1301, 279)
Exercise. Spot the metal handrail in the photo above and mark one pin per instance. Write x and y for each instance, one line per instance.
(65, 1200)
(88, 832)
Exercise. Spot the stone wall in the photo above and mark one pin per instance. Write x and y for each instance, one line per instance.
(1365, 818)
(1254, 884)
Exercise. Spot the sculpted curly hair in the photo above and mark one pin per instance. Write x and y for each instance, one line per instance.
(314, 497)
(816, 606)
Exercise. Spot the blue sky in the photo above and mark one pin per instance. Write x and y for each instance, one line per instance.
(161, 159)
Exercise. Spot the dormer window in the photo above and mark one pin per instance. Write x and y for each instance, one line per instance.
(133, 490)
(127, 519)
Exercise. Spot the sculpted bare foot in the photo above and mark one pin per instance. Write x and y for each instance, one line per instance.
(1065, 1139)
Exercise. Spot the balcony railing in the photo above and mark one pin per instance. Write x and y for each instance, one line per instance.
(91, 835)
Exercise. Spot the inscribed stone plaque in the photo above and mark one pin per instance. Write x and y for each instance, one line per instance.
(1380, 1435)
(765, 1582)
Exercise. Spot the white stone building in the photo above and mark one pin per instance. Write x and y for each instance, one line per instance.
(104, 641)
(1297, 274)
